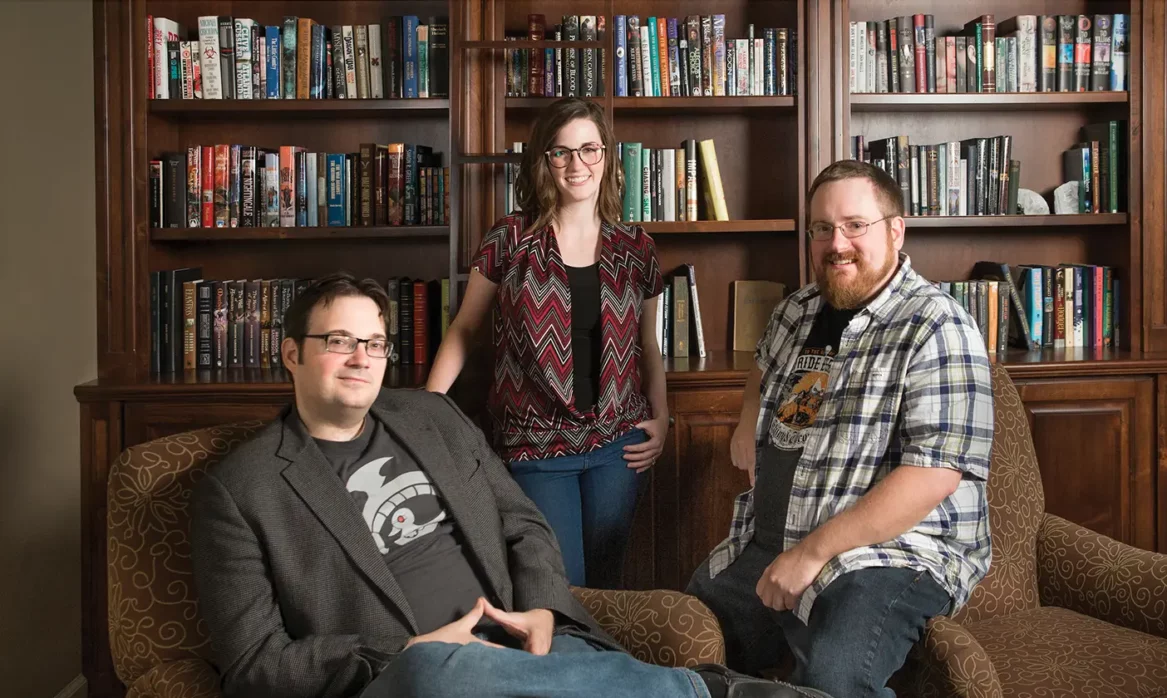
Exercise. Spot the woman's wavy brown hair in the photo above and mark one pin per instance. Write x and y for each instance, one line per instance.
(535, 187)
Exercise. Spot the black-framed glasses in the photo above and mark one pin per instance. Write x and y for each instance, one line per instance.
(560, 156)
(851, 229)
(376, 348)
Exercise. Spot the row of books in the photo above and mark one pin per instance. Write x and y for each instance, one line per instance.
(1033, 306)
(662, 184)
(557, 72)
(238, 58)
(973, 177)
(978, 176)
(679, 330)
(197, 323)
(241, 186)
(1026, 53)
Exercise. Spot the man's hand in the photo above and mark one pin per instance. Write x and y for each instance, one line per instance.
(458, 632)
(787, 577)
(742, 450)
(533, 627)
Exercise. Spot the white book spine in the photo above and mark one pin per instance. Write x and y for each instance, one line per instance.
(376, 81)
(271, 190)
(209, 57)
(853, 60)
(742, 55)
(759, 67)
(954, 172)
(243, 59)
(646, 63)
(669, 191)
(350, 61)
(186, 56)
(963, 187)
(310, 188)
(164, 30)
(1027, 53)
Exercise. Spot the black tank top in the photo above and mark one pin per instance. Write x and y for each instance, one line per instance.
(585, 333)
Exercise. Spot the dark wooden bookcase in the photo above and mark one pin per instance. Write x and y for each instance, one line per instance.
(1099, 420)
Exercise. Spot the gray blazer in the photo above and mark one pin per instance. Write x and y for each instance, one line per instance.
(296, 596)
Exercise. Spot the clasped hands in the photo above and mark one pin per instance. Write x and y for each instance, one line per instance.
(534, 628)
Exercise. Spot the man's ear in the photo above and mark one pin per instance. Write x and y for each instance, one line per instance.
(290, 353)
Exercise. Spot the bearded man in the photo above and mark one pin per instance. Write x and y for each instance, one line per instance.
(865, 429)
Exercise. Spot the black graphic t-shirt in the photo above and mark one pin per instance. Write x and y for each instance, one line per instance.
(805, 389)
(410, 525)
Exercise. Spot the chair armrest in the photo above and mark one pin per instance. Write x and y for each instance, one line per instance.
(1100, 577)
(186, 678)
(948, 661)
(666, 628)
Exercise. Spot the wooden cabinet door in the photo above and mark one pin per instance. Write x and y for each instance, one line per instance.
(145, 421)
(1095, 444)
(695, 483)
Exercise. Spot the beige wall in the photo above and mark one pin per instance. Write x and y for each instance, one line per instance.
(47, 334)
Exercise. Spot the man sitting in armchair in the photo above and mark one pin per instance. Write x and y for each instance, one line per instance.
(368, 542)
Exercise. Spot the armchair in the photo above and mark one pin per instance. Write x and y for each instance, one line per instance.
(159, 644)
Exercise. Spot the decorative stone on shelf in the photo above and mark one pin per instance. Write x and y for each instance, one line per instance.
(1066, 198)
(1031, 203)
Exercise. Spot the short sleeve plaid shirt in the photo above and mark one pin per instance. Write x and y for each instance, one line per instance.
(910, 385)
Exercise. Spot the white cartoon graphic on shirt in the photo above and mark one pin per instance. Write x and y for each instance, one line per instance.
(394, 503)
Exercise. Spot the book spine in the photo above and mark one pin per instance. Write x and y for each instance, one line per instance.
(376, 75)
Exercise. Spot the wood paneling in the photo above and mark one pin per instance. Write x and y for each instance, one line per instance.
(697, 485)
(1154, 172)
(1095, 443)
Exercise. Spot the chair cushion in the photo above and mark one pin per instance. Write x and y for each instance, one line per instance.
(187, 678)
(660, 627)
(153, 610)
(1016, 506)
(1053, 652)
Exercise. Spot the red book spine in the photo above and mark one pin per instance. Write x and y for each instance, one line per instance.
(420, 324)
(208, 174)
(921, 54)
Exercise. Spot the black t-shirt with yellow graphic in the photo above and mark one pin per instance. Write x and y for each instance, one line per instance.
(803, 393)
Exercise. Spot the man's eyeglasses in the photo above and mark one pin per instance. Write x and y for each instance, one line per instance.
(560, 156)
(376, 348)
(851, 229)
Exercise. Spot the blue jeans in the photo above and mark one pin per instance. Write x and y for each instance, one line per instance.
(589, 501)
(861, 627)
(572, 668)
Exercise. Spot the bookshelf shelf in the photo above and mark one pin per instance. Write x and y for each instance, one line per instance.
(198, 108)
(686, 104)
(1006, 101)
(341, 233)
(1050, 221)
(528, 43)
(741, 226)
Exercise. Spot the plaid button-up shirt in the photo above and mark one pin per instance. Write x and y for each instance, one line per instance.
(909, 385)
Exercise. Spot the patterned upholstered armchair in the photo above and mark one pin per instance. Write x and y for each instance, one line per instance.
(1063, 611)
(160, 645)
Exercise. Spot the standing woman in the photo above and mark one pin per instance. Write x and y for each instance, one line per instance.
(578, 396)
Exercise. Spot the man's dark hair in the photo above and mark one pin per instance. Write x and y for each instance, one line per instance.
(887, 189)
(322, 291)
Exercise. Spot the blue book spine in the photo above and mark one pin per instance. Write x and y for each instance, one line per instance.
(409, 31)
(410, 184)
(654, 52)
(1036, 307)
(272, 37)
(548, 72)
(674, 76)
(621, 28)
(316, 70)
(288, 53)
(1119, 51)
(336, 197)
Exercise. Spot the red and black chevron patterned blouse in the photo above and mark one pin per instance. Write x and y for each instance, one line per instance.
(532, 399)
